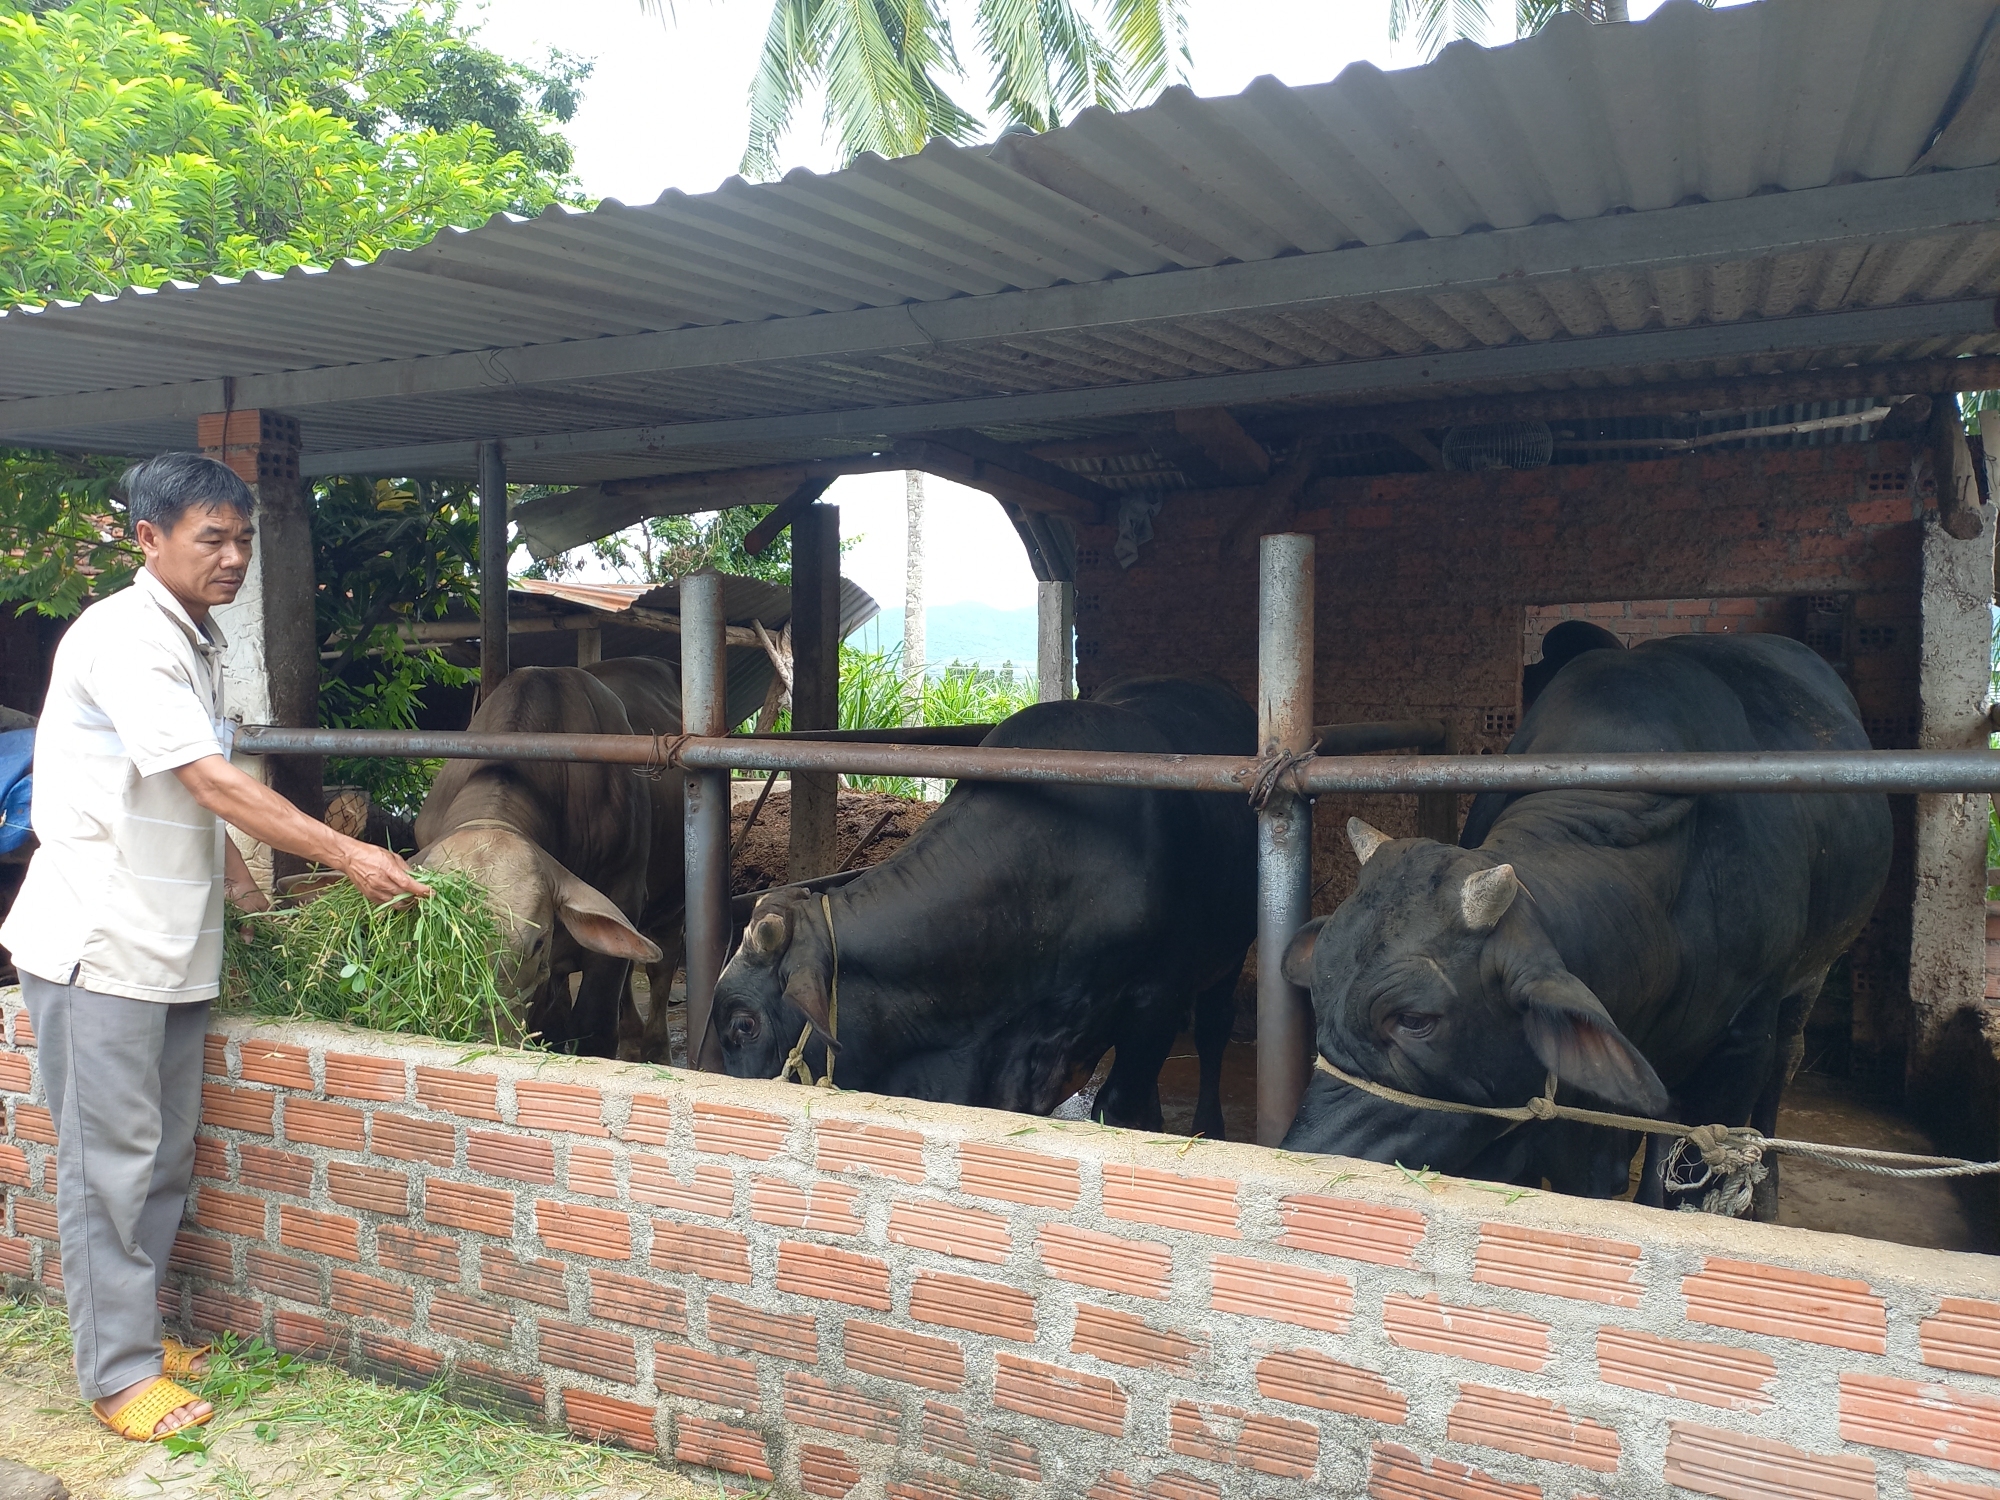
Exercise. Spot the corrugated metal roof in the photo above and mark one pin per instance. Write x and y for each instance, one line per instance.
(1580, 124)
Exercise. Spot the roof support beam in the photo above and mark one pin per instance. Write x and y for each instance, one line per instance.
(555, 523)
(1238, 457)
(1885, 211)
(1376, 379)
(1010, 474)
(766, 531)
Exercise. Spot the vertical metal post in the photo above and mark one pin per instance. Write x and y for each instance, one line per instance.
(1055, 636)
(590, 645)
(1284, 827)
(704, 689)
(493, 549)
(913, 592)
(815, 683)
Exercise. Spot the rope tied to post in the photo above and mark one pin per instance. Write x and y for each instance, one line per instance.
(664, 755)
(1273, 769)
(796, 1065)
(1728, 1160)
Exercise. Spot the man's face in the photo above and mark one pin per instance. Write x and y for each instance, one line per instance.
(204, 558)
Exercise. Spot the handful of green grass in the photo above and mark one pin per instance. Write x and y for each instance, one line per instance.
(423, 967)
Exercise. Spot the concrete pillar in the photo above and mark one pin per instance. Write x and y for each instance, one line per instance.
(1055, 641)
(815, 682)
(1952, 1033)
(271, 673)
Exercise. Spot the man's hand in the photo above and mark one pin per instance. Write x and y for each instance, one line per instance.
(248, 897)
(380, 873)
(246, 803)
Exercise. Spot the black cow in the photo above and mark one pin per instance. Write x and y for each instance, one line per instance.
(1562, 645)
(1657, 953)
(1025, 929)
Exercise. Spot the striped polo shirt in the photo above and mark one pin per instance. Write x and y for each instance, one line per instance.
(124, 896)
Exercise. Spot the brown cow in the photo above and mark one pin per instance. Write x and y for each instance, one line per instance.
(583, 861)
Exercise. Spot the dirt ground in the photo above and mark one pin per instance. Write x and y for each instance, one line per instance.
(761, 860)
(318, 1434)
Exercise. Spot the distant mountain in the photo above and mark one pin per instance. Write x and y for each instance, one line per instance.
(965, 633)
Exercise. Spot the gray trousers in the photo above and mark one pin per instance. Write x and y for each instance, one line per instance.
(123, 1079)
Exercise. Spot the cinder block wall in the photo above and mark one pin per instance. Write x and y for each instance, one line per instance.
(1425, 582)
(856, 1296)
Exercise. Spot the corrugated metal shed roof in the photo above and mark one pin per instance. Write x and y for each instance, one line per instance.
(1359, 225)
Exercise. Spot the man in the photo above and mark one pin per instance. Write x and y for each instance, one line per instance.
(117, 930)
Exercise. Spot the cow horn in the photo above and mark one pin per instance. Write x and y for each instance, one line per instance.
(1486, 897)
(1366, 840)
(768, 932)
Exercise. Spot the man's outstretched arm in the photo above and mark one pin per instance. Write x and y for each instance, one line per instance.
(244, 802)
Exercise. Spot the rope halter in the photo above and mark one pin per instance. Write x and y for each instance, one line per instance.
(796, 1065)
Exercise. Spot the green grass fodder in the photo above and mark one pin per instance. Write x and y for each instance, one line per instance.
(420, 967)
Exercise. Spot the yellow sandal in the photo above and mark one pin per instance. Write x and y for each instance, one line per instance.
(180, 1358)
(138, 1418)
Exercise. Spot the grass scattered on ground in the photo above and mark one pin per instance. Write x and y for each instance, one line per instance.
(286, 1427)
(422, 967)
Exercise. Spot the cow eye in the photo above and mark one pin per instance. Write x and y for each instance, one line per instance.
(743, 1028)
(1414, 1024)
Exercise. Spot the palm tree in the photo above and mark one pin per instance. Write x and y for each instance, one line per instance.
(1434, 22)
(884, 64)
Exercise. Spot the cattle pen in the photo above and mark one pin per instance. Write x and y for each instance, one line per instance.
(1281, 781)
(1348, 394)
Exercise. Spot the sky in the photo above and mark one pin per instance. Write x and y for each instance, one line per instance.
(667, 107)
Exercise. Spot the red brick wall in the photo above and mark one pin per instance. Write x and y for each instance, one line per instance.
(1425, 583)
(1636, 620)
(843, 1294)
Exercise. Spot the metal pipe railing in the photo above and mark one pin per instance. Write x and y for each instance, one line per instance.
(1765, 771)
(1332, 739)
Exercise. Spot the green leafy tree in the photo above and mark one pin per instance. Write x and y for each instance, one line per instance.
(662, 548)
(1433, 23)
(388, 556)
(177, 139)
(886, 66)
(178, 142)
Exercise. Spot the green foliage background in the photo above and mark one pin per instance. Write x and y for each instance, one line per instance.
(177, 140)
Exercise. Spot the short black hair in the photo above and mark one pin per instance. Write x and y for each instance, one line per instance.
(162, 489)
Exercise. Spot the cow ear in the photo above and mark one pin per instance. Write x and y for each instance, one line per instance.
(806, 989)
(1297, 965)
(1365, 839)
(597, 923)
(1576, 1039)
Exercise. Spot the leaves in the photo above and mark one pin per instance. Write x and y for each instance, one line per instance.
(1433, 23)
(884, 65)
(178, 141)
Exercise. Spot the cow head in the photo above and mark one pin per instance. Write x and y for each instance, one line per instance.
(1436, 977)
(533, 896)
(775, 986)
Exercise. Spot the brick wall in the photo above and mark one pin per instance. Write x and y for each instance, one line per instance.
(859, 1296)
(1425, 583)
(1636, 620)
